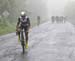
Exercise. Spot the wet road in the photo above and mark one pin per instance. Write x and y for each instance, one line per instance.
(48, 42)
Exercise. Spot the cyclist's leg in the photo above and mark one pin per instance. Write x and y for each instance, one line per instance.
(18, 33)
(26, 36)
(26, 39)
(19, 36)
(21, 33)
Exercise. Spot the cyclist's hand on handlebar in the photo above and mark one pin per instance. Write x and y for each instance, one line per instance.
(29, 29)
(16, 33)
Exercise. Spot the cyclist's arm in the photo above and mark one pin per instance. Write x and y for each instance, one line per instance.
(18, 23)
(28, 22)
(17, 26)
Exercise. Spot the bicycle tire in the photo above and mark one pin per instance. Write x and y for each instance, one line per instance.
(23, 47)
(22, 42)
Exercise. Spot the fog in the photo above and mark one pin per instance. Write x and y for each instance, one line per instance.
(48, 8)
(56, 7)
(10, 10)
(62, 8)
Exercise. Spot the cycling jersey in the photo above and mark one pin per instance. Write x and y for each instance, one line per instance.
(24, 21)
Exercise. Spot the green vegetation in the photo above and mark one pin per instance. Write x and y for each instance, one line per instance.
(10, 10)
(6, 29)
(6, 26)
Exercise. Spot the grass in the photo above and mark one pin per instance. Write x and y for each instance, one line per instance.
(10, 27)
(7, 28)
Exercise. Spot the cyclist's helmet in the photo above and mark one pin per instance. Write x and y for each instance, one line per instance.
(23, 13)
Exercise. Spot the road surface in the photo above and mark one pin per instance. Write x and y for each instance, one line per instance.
(48, 42)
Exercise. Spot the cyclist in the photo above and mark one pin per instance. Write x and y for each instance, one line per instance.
(57, 19)
(23, 23)
(53, 19)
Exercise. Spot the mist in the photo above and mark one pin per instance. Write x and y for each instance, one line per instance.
(56, 7)
(10, 10)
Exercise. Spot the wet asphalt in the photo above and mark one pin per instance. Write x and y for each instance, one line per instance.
(47, 42)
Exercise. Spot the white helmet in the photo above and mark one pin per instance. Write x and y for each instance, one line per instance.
(23, 13)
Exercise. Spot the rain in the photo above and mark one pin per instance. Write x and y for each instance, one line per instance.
(51, 33)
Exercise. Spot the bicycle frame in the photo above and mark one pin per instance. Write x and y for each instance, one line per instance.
(22, 40)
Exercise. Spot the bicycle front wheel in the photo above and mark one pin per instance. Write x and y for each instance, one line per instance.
(22, 42)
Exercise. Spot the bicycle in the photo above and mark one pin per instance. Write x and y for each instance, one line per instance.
(21, 39)
(21, 35)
